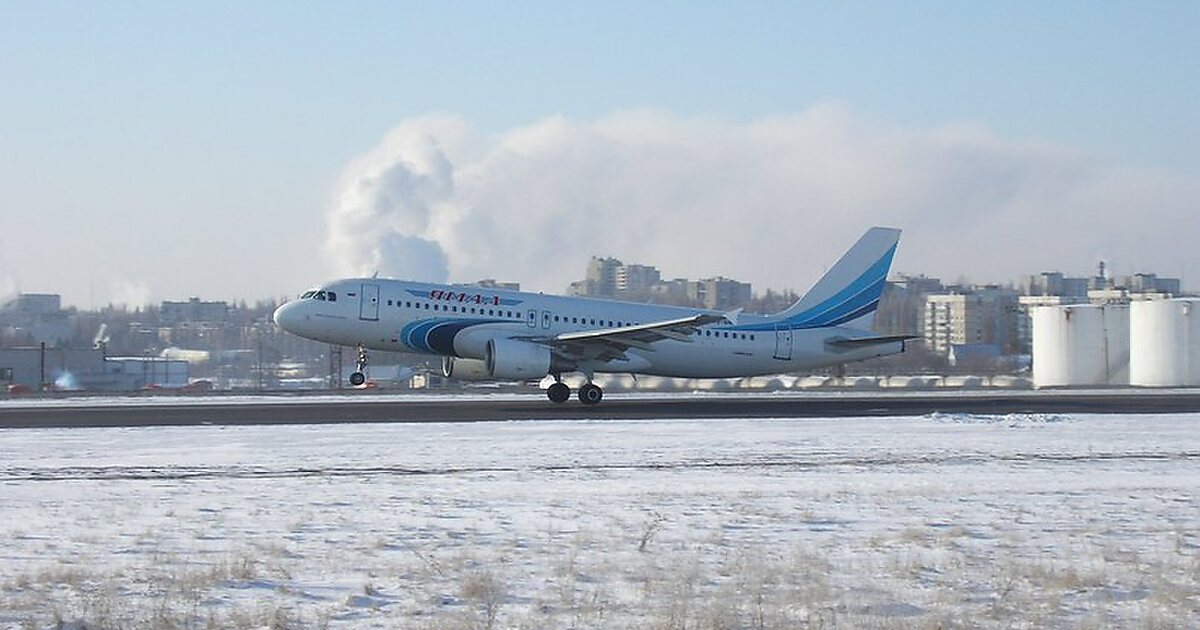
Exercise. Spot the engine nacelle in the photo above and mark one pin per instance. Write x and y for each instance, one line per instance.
(465, 369)
(512, 360)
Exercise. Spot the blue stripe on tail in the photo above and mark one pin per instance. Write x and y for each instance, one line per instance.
(859, 298)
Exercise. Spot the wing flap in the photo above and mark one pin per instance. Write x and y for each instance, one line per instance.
(609, 344)
(646, 332)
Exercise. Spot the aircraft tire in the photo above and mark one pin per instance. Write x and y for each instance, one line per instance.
(358, 378)
(558, 392)
(590, 394)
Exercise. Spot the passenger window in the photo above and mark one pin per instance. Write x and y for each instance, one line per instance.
(332, 296)
(427, 306)
(408, 305)
(389, 302)
(556, 318)
(751, 337)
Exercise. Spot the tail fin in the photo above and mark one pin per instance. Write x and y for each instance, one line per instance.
(848, 294)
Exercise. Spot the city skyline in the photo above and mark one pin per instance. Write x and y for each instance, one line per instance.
(1031, 283)
(154, 152)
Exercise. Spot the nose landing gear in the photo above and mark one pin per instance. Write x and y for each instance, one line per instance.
(358, 377)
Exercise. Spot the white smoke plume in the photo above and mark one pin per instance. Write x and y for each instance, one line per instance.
(772, 201)
(8, 290)
(129, 293)
(8, 285)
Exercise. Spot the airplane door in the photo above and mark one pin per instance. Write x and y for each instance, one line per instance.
(368, 305)
(545, 319)
(532, 319)
(783, 343)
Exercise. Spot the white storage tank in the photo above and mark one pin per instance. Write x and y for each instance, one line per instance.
(1165, 343)
(1080, 345)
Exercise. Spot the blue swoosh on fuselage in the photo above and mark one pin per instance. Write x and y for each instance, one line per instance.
(436, 336)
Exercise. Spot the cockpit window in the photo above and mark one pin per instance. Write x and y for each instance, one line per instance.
(320, 294)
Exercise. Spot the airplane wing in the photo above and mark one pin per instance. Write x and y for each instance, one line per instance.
(607, 344)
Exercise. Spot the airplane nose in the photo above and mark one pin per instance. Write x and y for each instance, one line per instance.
(286, 317)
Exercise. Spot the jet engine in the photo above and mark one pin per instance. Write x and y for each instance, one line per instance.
(508, 359)
(465, 369)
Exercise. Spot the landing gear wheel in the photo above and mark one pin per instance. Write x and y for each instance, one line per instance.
(558, 392)
(360, 364)
(590, 394)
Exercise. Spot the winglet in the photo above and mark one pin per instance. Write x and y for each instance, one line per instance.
(732, 316)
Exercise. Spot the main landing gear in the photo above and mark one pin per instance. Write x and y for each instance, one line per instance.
(589, 394)
(357, 378)
(558, 392)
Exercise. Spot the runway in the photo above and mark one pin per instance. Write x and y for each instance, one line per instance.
(385, 408)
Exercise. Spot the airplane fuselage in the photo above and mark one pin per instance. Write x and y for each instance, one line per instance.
(460, 321)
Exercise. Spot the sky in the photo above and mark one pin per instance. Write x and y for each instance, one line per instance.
(159, 150)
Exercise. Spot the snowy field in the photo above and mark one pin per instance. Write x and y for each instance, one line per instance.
(141, 399)
(923, 522)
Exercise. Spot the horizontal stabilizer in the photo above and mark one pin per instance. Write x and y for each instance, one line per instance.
(862, 342)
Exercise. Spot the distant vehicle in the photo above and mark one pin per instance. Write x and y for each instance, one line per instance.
(489, 334)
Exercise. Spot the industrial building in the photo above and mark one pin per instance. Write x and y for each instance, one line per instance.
(1145, 343)
(193, 311)
(35, 318)
(87, 369)
(1164, 343)
(1080, 345)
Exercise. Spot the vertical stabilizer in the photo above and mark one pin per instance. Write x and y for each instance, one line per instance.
(848, 294)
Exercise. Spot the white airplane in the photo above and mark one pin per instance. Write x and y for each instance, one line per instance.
(510, 335)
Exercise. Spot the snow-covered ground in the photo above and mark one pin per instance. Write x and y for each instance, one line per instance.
(478, 395)
(936, 521)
